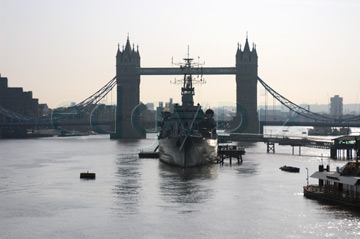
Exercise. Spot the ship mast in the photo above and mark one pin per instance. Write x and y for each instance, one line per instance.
(187, 91)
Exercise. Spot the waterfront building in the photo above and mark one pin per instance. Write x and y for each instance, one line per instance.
(15, 99)
(44, 110)
(336, 107)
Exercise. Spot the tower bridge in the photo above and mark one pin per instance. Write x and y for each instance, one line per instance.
(127, 82)
(128, 72)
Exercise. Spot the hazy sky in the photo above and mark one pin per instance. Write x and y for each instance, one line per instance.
(65, 49)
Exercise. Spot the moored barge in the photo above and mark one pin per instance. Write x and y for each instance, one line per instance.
(341, 186)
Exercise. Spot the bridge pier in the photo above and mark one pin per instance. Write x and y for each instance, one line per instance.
(349, 154)
(294, 150)
(270, 147)
(342, 154)
(333, 152)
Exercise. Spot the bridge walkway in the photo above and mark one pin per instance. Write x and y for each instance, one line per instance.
(271, 140)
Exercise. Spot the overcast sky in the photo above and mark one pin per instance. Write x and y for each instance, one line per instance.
(65, 50)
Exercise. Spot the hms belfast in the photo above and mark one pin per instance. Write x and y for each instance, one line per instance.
(187, 136)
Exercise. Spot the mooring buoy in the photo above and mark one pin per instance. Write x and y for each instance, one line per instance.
(87, 175)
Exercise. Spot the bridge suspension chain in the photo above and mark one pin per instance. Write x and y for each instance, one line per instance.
(352, 119)
(98, 95)
(93, 99)
(294, 107)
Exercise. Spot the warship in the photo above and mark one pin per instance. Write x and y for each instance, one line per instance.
(187, 136)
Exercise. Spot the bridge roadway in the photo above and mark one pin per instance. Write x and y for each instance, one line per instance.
(281, 140)
(182, 71)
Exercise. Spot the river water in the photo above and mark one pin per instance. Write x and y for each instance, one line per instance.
(42, 196)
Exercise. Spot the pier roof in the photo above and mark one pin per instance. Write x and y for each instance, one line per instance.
(337, 178)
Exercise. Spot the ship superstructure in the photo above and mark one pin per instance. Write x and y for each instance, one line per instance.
(188, 135)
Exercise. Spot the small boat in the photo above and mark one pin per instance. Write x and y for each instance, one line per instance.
(87, 175)
(290, 169)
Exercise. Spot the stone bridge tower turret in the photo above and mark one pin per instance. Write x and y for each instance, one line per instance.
(246, 89)
(128, 92)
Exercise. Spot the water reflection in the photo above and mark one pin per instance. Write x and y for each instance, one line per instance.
(128, 187)
(338, 211)
(246, 144)
(178, 185)
(247, 169)
(128, 145)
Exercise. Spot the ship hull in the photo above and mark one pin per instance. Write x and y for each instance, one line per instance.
(187, 151)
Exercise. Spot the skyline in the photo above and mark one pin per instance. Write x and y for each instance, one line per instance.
(63, 50)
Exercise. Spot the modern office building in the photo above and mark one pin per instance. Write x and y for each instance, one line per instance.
(336, 107)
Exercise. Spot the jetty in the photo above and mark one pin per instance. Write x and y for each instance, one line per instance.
(149, 155)
(230, 152)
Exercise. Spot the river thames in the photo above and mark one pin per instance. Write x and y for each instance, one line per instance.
(42, 196)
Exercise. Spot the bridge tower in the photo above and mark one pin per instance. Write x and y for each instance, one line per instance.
(246, 89)
(128, 92)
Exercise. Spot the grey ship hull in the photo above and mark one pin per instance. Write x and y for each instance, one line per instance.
(192, 152)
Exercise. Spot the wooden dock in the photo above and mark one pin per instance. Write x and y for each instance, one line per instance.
(230, 152)
(151, 155)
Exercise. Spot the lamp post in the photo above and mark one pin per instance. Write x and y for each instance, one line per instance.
(307, 177)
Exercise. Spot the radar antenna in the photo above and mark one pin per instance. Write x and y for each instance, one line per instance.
(187, 89)
(186, 67)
